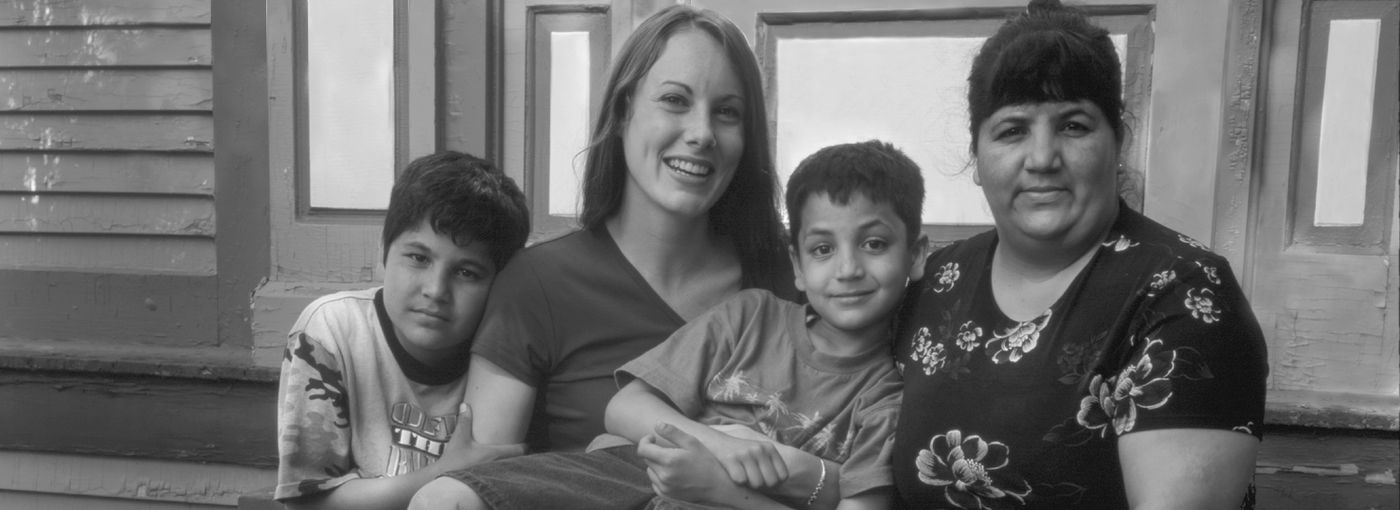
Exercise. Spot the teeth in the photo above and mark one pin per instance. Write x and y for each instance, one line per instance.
(688, 168)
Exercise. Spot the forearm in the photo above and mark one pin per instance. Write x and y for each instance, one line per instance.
(804, 473)
(637, 408)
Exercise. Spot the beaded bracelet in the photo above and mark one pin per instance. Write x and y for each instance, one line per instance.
(818, 489)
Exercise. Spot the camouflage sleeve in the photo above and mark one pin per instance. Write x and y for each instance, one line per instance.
(313, 420)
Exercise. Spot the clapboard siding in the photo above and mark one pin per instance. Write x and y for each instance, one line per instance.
(105, 47)
(62, 213)
(107, 172)
(118, 254)
(137, 309)
(106, 90)
(53, 13)
(107, 132)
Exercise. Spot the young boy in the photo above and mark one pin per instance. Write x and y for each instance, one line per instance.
(372, 380)
(772, 373)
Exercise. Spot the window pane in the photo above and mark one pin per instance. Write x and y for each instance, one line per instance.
(568, 118)
(909, 91)
(350, 103)
(1348, 99)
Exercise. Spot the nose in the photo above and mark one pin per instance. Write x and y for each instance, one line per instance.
(699, 132)
(435, 286)
(1043, 152)
(849, 266)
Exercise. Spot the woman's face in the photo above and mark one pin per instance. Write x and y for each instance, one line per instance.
(1049, 170)
(685, 132)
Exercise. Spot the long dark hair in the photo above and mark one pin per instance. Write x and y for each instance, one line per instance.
(746, 212)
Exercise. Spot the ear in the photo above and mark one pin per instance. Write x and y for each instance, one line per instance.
(918, 251)
(976, 176)
(797, 279)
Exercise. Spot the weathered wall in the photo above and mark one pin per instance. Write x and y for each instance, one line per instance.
(107, 210)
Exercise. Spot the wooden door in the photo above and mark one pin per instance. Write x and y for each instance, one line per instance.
(1323, 256)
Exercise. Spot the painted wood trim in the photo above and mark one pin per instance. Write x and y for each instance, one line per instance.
(1369, 238)
(86, 13)
(72, 90)
(107, 172)
(1235, 177)
(148, 417)
(471, 80)
(107, 132)
(43, 47)
(244, 240)
(541, 22)
(149, 309)
(165, 255)
(45, 213)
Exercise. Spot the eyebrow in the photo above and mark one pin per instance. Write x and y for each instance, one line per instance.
(860, 228)
(689, 90)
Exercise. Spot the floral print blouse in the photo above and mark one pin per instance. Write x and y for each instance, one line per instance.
(1155, 333)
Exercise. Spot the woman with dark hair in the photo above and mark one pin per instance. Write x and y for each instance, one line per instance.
(1079, 355)
(679, 213)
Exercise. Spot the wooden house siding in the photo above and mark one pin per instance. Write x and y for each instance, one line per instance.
(107, 183)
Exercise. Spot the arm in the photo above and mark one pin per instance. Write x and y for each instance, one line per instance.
(395, 491)
(504, 403)
(638, 408)
(681, 468)
(1186, 468)
(804, 470)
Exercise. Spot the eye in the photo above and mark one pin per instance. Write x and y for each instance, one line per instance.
(729, 114)
(1009, 133)
(417, 258)
(675, 101)
(1076, 128)
(469, 274)
(875, 245)
(819, 250)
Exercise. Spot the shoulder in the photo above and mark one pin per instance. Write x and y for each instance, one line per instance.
(338, 307)
(1156, 249)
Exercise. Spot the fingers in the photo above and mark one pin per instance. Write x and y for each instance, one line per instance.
(676, 436)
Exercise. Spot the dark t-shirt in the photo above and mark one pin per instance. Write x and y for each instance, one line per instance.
(1155, 333)
(561, 317)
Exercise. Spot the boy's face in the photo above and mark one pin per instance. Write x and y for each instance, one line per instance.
(853, 261)
(435, 292)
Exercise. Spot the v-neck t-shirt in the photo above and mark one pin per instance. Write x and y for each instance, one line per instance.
(561, 317)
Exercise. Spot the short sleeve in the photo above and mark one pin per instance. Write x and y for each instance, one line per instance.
(680, 366)
(517, 327)
(313, 420)
(871, 448)
(1198, 358)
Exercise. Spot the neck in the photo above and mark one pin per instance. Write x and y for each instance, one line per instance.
(831, 341)
(662, 245)
(1037, 259)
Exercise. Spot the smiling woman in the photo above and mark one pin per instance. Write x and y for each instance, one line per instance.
(679, 213)
(1080, 354)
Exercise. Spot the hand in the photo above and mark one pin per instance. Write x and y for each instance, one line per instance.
(681, 468)
(462, 451)
(751, 458)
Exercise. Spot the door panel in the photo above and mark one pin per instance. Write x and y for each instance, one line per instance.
(1323, 267)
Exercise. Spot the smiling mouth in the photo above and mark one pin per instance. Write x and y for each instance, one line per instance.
(690, 168)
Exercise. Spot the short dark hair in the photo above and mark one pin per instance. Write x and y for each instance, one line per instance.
(873, 168)
(747, 210)
(463, 197)
(1049, 53)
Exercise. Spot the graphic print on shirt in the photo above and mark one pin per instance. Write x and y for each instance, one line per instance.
(418, 439)
(326, 383)
(776, 419)
(967, 470)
